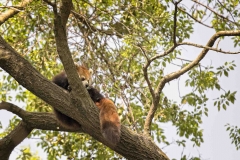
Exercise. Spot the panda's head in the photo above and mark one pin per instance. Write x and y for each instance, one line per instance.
(84, 74)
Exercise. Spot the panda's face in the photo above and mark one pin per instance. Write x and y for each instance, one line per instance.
(85, 75)
(85, 81)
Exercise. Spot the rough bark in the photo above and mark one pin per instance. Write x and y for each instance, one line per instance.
(30, 120)
(80, 107)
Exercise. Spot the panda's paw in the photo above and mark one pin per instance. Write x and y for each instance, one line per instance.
(69, 88)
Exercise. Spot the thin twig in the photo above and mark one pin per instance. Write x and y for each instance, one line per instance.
(215, 12)
(194, 18)
(175, 22)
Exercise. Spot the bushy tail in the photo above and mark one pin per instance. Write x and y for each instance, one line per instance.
(109, 120)
(111, 132)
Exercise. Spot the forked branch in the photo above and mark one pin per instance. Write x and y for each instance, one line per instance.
(30, 121)
(180, 72)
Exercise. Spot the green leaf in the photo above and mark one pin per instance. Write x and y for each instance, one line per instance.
(225, 73)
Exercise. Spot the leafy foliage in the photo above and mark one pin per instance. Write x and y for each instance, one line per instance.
(117, 39)
(27, 155)
(234, 133)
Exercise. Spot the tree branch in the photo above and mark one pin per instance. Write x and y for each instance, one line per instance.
(79, 107)
(38, 120)
(225, 18)
(206, 47)
(175, 22)
(145, 70)
(31, 120)
(8, 143)
(23, 72)
(60, 20)
(11, 12)
(195, 18)
(180, 72)
(92, 28)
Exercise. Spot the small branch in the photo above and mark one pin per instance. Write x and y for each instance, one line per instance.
(13, 11)
(8, 143)
(180, 72)
(92, 28)
(195, 18)
(145, 74)
(142, 50)
(13, 108)
(17, 8)
(164, 53)
(145, 70)
(215, 12)
(227, 10)
(206, 47)
(175, 22)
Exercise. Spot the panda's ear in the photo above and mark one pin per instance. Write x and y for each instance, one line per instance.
(76, 64)
(91, 71)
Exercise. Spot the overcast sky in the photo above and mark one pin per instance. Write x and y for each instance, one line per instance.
(217, 145)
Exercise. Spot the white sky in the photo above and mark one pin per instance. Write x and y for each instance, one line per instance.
(217, 145)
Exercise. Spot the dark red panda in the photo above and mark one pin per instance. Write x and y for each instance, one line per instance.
(62, 81)
(109, 120)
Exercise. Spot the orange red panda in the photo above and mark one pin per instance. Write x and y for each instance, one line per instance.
(62, 81)
(109, 120)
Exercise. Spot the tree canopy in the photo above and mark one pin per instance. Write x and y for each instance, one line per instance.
(135, 49)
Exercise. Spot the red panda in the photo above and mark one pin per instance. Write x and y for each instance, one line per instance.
(62, 81)
(109, 120)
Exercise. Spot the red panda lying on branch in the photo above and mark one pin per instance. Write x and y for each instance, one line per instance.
(109, 119)
(62, 81)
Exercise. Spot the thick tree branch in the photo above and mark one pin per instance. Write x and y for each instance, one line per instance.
(38, 120)
(11, 12)
(23, 72)
(31, 120)
(180, 72)
(60, 20)
(79, 107)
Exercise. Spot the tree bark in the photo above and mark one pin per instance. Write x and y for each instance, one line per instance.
(81, 108)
